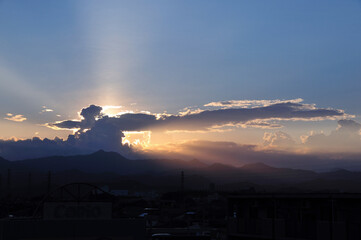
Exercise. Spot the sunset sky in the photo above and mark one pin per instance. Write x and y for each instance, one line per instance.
(177, 78)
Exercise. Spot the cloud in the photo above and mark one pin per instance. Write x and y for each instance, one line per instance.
(346, 138)
(278, 139)
(206, 151)
(250, 103)
(261, 124)
(15, 149)
(239, 154)
(91, 136)
(89, 116)
(230, 126)
(203, 119)
(111, 110)
(96, 130)
(15, 118)
(46, 109)
(350, 126)
(30, 148)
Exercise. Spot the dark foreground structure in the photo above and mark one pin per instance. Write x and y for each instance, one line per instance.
(76, 211)
(81, 211)
(295, 216)
(40, 229)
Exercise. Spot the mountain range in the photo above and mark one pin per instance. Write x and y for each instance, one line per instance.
(109, 167)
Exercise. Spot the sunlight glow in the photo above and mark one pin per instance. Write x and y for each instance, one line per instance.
(138, 139)
(111, 110)
(111, 58)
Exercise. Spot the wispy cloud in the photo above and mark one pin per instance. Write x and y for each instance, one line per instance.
(46, 109)
(15, 118)
(250, 103)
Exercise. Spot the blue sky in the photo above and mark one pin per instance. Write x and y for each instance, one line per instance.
(167, 55)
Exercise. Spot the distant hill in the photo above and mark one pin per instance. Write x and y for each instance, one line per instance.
(100, 162)
(104, 167)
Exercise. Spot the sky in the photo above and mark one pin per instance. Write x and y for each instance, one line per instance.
(277, 75)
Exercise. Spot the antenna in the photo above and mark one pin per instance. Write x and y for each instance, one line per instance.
(1, 185)
(182, 181)
(9, 183)
(29, 183)
(49, 181)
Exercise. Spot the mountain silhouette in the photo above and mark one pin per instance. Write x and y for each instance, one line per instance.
(105, 167)
(99, 162)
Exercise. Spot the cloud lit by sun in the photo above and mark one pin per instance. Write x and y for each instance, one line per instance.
(111, 110)
(138, 139)
(15, 118)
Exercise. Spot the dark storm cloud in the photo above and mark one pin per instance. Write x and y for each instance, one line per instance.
(84, 143)
(91, 136)
(88, 115)
(68, 124)
(209, 118)
(203, 120)
(35, 147)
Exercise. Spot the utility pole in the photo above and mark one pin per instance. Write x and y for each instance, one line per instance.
(29, 184)
(49, 182)
(1, 185)
(182, 181)
(9, 183)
